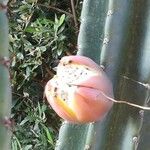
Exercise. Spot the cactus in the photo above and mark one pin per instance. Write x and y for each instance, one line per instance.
(89, 44)
(124, 27)
(5, 96)
(127, 30)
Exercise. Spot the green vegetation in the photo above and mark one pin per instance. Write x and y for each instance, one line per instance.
(40, 34)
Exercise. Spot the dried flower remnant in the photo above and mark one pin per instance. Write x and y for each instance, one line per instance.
(75, 92)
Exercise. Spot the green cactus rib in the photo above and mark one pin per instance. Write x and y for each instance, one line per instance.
(5, 96)
(90, 40)
(125, 53)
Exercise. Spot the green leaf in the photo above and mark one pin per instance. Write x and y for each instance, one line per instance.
(61, 20)
(26, 119)
(28, 147)
(31, 29)
(20, 56)
(50, 139)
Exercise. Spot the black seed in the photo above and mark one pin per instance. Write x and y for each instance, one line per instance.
(70, 61)
(63, 64)
(55, 89)
(86, 68)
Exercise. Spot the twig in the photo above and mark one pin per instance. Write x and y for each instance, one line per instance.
(76, 5)
(57, 9)
(146, 85)
(119, 101)
(74, 14)
(125, 102)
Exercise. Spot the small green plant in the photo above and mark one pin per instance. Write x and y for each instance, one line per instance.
(32, 131)
(39, 44)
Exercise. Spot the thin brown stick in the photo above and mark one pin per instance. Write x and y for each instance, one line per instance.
(125, 102)
(119, 101)
(57, 9)
(76, 5)
(74, 14)
(146, 85)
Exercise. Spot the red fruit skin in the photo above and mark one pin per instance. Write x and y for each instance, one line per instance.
(81, 60)
(100, 82)
(87, 102)
(90, 105)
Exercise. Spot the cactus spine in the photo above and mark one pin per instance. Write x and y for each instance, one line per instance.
(5, 96)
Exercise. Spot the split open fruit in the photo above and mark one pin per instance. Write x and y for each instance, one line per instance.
(76, 91)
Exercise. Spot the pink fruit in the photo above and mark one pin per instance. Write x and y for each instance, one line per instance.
(76, 91)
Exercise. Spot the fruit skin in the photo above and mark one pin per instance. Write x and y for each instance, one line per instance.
(85, 99)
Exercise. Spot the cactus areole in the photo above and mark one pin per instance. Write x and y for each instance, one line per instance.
(75, 92)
